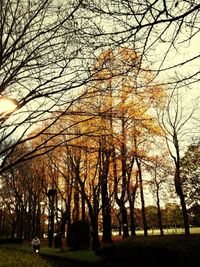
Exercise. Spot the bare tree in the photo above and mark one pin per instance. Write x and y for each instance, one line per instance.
(161, 31)
(159, 170)
(176, 124)
(44, 64)
(47, 49)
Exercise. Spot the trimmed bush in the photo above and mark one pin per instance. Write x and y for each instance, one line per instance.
(10, 241)
(154, 251)
(78, 236)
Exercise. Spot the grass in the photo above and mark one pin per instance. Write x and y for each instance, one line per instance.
(167, 231)
(14, 258)
(81, 255)
(170, 231)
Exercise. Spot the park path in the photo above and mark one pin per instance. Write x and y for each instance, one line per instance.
(62, 262)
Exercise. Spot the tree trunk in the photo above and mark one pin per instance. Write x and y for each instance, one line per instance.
(131, 197)
(124, 221)
(142, 199)
(95, 243)
(107, 229)
(51, 196)
(182, 201)
(76, 212)
(159, 214)
(178, 184)
(132, 219)
(21, 224)
(83, 207)
(120, 200)
(93, 213)
(120, 228)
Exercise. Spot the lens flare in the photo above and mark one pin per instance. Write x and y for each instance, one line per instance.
(7, 105)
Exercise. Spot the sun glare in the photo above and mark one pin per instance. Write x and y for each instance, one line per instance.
(7, 105)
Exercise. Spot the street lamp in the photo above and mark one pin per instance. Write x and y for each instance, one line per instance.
(51, 195)
(42, 218)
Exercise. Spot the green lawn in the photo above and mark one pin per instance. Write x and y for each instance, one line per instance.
(169, 231)
(82, 255)
(16, 258)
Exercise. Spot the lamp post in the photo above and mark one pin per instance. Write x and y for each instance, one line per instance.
(42, 218)
(51, 196)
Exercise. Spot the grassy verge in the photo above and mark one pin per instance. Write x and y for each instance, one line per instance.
(173, 250)
(80, 255)
(14, 258)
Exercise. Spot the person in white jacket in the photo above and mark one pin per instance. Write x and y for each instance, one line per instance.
(36, 244)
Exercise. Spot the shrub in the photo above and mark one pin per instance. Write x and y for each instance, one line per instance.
(10, 241)
(78, 235)
(154, 251)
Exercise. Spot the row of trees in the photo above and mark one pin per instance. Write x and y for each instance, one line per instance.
(97, 129)
(101, 154)
(171, 217)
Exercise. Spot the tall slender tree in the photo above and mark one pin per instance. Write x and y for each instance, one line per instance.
(176, 127)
